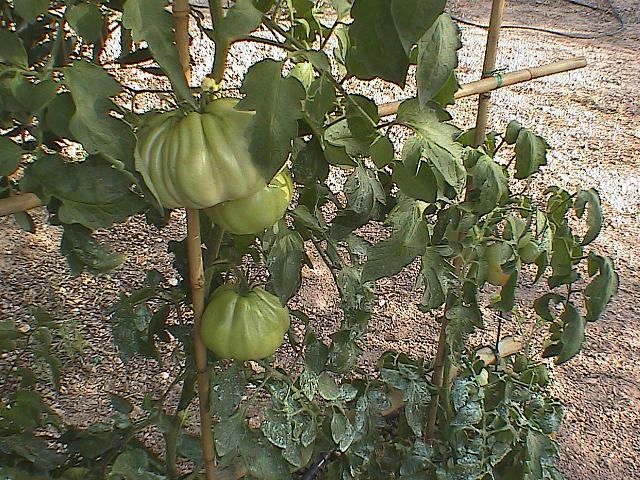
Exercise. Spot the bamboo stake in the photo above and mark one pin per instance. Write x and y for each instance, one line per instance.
(491, 83)
(491, 52)
(18, 203)
(196, 269)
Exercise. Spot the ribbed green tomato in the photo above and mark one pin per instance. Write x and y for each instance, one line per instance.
(200, 159)
(243, 325)
(254, 213)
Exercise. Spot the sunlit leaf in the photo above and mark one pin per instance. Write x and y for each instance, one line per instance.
(277, 102)
(150, 22)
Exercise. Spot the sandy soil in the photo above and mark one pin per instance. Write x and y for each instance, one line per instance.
(592, 119)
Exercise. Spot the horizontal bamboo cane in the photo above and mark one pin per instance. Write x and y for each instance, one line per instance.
(18, 203)
(26, 201)
(495, 82)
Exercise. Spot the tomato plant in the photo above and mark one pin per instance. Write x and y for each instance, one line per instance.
(74, 136)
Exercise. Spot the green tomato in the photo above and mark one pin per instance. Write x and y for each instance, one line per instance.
(495, 255)
(255, 212)
(243, 325)
(200, 159)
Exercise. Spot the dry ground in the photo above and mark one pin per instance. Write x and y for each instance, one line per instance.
(592, 119)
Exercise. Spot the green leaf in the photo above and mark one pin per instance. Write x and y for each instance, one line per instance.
(412, 18)
(327, 387)
(121, 404)
(242, 18)
(29, 10)
(343, 353)
(339, 137)
(262, 460)
(362, 117)
(342, 7)
(133, 465)
(151, 23)
(531, 153)
(320, 100)
(30, 448)
(435, 276)
(92, 193)
(602, 288)
(364, 195)
(439, 147)
(591, 199)
(83, 252)
(278, 105)
(487, 186)
(91, 124)
(414, 176)
(129, 326)
(512, 132)
(25, 411)
(276, 427)
(408, 241)
(382, 34)
(446, 95)
(416, 397)
(572, 333)
(229, 433)
(356, 295)
(226, 391)
(437, 57)
(58, 114)
(35, 96)
(86, 20)
(12, 51)
(462, 320)
(542, 305)
(376, 48)
(10, 155)
(304, 73)
(284, 261)
(342, 431)
(381, 151)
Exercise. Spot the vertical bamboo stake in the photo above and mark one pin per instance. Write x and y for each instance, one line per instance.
(491, 51)
(196, 269)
